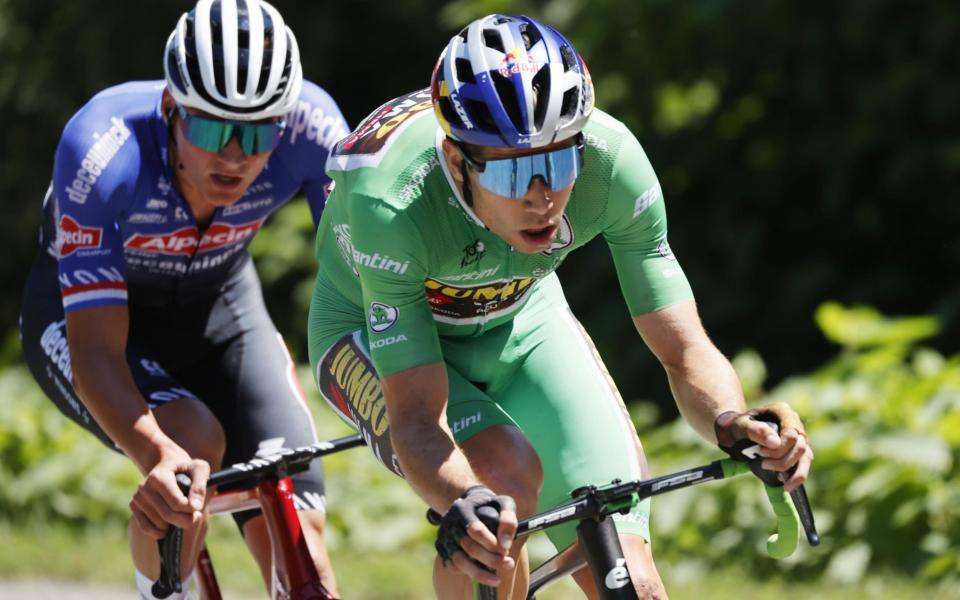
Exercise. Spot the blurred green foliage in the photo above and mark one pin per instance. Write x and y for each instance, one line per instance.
(884, 420)
(883, 417)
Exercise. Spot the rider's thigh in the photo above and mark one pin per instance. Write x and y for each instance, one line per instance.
(643, 572)
(506, 462)
(193, 426)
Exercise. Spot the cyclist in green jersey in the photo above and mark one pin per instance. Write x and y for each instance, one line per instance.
(438, 327)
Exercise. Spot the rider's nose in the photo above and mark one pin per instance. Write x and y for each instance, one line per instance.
(537, 198)
(232, 152)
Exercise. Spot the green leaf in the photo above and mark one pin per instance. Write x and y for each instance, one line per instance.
(864, 327)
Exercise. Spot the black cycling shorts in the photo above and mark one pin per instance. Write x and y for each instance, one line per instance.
(224, 351)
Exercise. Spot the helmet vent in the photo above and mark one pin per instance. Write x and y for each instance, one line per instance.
(446, 109)
(569, 60)
(174, 70)
(481, 115)
(568, 107)
(530, 36)
(541, 89)
(465, 71)
(491, 39)
(508, 97)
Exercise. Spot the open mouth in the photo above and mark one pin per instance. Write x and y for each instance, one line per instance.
(226, 180)
(540, 237)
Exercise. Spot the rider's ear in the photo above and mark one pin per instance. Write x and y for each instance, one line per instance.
(454, 160)
(168, 107)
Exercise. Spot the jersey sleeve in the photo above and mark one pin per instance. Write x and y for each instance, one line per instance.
(389, 254)
(636, 231)
(314, 126)
(95, 170)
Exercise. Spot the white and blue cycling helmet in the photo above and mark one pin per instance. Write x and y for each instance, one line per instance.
(234, 59)
(511, 82)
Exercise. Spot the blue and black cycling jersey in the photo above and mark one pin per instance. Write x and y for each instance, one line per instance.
(119, 229)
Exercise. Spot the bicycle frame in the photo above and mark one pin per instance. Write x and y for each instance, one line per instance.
(265, 484)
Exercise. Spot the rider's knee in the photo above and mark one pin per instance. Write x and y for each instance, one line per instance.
(194, 428)
(315, 521)
(521, 477)
(649, 590)
(210, 444)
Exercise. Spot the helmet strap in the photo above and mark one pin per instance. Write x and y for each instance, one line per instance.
(467, 192)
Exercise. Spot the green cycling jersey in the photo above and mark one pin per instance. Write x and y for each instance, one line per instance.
(400, 253)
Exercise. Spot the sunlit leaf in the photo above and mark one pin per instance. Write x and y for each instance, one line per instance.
(849, 564)
(862, 327)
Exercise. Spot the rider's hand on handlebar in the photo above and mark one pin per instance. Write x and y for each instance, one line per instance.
(158, 501)
(466, 542)
(789, 451)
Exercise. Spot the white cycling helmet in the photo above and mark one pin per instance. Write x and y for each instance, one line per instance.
(234, 59)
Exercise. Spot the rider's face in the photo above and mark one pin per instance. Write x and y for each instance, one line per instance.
(528, 224)
(212, 178)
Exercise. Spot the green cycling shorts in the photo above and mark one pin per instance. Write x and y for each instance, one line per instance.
(540, 373)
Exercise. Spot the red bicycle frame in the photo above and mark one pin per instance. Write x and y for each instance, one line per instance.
(295, 576)
(265, 484)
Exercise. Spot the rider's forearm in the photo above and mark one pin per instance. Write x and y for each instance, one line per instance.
(432, 463)
(705, 385)
(109, 393)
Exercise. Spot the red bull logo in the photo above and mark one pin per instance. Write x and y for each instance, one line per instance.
(518, 61)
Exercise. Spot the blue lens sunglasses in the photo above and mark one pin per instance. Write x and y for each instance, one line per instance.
(212, 134)
(511, 177)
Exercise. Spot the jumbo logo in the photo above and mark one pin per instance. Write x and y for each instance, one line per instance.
(73, 236)
(350, 378)
(187, 240)
(457, 304)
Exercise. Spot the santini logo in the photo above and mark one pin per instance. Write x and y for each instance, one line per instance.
(462, 423)
(376, 261)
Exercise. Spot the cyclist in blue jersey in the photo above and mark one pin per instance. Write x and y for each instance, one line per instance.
(143, 318)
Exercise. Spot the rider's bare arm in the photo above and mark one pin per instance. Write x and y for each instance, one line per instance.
(705, 385)
(701, 378)
(432, 463)
(98, 339)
